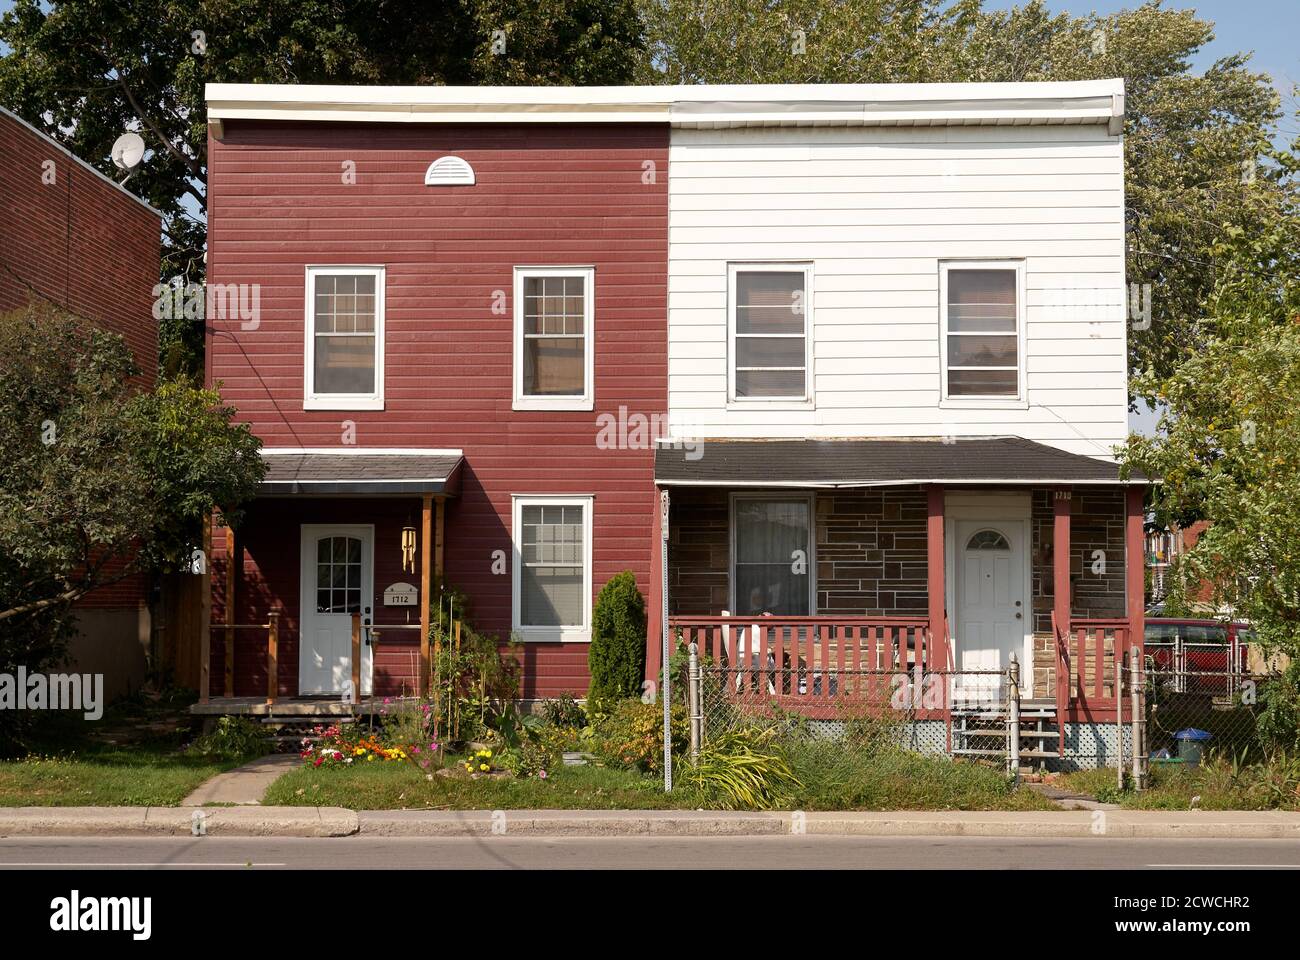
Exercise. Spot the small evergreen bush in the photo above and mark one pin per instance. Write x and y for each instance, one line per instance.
(616, 658)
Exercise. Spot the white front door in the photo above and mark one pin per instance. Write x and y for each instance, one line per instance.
(337, 581)
(989, 591)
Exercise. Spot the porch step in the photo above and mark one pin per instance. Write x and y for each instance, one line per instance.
(976, 752)
(978, 732)
(1001, 715)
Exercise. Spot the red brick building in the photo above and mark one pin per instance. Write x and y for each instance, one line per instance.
(71, 236)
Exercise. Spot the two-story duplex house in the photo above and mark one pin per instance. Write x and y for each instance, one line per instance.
(886, 323)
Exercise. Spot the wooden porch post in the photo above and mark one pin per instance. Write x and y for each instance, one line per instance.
(935, 569)
(205, 614)
(234, 561)
(1061, 589)
(1135, 569)
(426, 583)
(273, 657)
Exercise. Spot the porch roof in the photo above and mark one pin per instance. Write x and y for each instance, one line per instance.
(360, 471)
(878, 463)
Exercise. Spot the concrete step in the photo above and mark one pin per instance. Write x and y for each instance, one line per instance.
(1004, 733)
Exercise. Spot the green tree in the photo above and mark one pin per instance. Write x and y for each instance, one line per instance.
(1228, 445)
(616, 658)
(101, 479)
(85, 71)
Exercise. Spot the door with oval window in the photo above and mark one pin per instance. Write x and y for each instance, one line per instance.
(337, 581)
(990, 620)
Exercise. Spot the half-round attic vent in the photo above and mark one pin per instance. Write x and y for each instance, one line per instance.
(449, 172)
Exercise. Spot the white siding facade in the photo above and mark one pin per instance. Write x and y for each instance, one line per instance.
(875, 211)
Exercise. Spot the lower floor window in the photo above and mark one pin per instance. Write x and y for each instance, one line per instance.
(552, 582)
(772, 556)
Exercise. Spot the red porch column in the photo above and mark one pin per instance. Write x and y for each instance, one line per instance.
(935, 565)
(1135, 563)
(1061, 593)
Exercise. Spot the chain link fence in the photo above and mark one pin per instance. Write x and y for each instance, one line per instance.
(1193, 713)
(832, 717)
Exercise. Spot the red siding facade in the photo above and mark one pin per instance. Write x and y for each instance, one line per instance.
(281, 198)
(69, 236)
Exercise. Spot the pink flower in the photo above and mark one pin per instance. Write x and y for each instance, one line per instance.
(433, 746)
(388, 700)
(542, 774)
(318, 761)
(415, 749)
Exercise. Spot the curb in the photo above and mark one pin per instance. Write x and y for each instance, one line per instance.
(1268, 825)
(177, 821)
(340, 822)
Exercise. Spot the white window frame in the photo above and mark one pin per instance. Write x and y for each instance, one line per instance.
(569, 633)
(341, 401)
(586, 401)
(808, 498)
(771, 403)
(1020, 400)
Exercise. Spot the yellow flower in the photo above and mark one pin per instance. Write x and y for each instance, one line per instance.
(371, 757)
(483, 766)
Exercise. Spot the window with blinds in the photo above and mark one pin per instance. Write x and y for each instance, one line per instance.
(769, 323)
(553, 338)
(982, 330)
(344, 337)
(553, 582)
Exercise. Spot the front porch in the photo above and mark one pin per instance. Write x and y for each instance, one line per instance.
(319, 603)
(825, 591)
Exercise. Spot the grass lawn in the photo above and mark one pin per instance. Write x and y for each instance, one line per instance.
(131, 757)
(152, 775)
(1217, 785)
(921, 783)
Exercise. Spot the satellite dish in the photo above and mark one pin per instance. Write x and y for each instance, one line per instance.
(128, 151)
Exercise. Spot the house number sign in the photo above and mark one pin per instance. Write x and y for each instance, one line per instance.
(400, 595)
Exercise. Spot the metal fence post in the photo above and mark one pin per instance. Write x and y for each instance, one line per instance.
(696, 704)
(666, 655)
(1013, 717)
(1120, 668)
(1139, 719)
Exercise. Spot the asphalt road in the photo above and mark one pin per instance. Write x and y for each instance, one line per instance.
(816, 852)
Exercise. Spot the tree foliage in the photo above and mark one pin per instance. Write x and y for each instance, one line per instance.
(1228, 444)
(616, 657)
(101, 479)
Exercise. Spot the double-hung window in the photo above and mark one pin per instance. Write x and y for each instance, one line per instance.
(554, 342)
(552, 569)
(344, 339)
(769, 327)
(772, 555)
(982, 326)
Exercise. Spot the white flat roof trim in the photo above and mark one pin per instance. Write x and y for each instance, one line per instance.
(851, 484)
(1090, 101)
(363, 451)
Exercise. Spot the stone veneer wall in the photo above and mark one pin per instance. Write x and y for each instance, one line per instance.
(871, 556)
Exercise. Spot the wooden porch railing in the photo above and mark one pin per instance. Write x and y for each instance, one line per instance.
(1088, 659)
(272, 628)
(804, 662)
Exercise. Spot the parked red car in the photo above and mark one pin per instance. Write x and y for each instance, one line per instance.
(1199, 653)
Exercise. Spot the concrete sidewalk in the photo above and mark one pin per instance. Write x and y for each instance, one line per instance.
(338, 822)
(244, 785)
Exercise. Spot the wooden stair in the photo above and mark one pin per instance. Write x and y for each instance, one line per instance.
(981, 731)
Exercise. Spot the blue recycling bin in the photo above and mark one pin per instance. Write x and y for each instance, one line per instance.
(1191, 744)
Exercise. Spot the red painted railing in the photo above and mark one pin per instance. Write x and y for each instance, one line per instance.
(1088, 659)
(812, 663)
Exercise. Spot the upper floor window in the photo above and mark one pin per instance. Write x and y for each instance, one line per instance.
(983, 330)
(345, 339)
(769, 326)
(553, 338)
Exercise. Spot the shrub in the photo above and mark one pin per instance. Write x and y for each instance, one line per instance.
(234, 738)
(743, 769)
(564, 712)
(530, 759)
(632, 735)
(616, 657)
